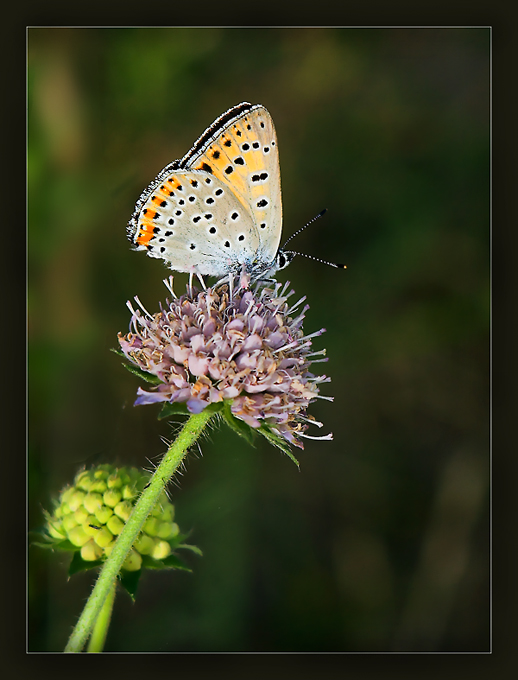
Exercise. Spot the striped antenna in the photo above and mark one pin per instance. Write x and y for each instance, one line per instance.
(311, 257)
(322, 212)
(317, 259)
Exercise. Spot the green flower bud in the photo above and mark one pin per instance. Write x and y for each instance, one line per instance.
(90, 552)
(81, 514)
(114, 482)
(115, 525)
(103, 537)
(90, 525)
(145, 545)
(112, 497)
(133, 561)
(151, 526)
(123, 510)
(99, 486)
(92, 512)
(128, 492)
(76, 500)
(78, 536)
(161, 551)
(56, 530)
(92, 502)
(167, 530)
(69, 522)
(83, 480)
(103, 514)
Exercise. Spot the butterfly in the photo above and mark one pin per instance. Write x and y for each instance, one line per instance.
(218, 210)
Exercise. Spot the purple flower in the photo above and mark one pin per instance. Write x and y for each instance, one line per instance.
(241, 346)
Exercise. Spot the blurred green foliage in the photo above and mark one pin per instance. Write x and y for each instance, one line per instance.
(381, 542)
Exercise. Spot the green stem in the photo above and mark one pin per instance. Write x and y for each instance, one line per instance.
(147, 501)
(102, 622)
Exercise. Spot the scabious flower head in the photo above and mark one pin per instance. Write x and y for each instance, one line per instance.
(91, 513)
(230, 344)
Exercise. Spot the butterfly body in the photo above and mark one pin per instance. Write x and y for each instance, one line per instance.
(218, 210)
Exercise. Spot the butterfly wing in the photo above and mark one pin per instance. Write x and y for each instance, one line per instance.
(240, 150)
(195, 222)
(219, 207)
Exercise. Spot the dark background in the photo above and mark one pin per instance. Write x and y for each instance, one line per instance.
(381, 541)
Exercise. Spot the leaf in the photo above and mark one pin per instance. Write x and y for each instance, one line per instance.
(170, 562)
(66, 546)
(143, 374)
(180, 409)
(173, 562)
(41, 539)
(277, 441)
(194, 548)
(129, 580)
(237, 425)
(78, 564)
(175, 409)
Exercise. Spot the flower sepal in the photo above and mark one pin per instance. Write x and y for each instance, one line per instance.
(277, 441)
(78, 564)
(148, 377)
(41, 539)
(132, 368)
(180, 409)
(238, 426)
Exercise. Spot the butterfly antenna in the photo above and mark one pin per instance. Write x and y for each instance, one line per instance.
(306, 225)
(317, 259)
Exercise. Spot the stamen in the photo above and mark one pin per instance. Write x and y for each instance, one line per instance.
(314, 354)
(139, 303)
(285, 288)
(313, 335)
(169, 285)
(325, 437)
(292, 309)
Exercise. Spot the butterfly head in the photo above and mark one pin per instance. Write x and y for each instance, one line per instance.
(283, 258)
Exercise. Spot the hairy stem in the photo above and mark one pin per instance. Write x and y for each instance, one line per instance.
(147, 501)
(100, 630)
